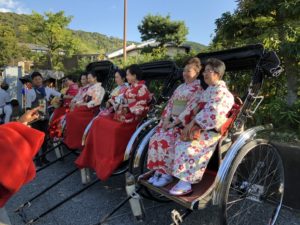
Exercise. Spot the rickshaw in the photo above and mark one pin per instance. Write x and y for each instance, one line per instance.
(245, 174)
(161, 77)
(104, 71)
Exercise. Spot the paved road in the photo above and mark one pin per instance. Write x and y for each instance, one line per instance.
(88, 207)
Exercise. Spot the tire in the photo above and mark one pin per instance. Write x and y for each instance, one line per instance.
(253, 190)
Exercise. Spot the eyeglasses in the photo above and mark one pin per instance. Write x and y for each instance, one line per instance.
(208, 71)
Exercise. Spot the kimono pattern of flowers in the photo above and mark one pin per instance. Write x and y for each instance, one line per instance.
(116, 96)
(137, 97)
(94, 95)
(191, 157)
(80, 95)
(161, 146)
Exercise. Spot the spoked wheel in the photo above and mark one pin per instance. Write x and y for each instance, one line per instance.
(254, 188)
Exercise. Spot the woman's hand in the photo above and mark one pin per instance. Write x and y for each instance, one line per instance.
(30, 115)
(186, 132)
(125, 109)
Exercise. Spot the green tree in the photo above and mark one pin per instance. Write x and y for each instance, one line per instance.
(163, 29)
(51, 31)
(11, 51)
(275, 23)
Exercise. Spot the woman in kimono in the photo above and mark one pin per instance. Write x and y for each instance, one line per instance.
(58, 114)
(200, 137)
(84, 86)
(83, 113)
(178, 110)
(116, 95)
(108, 137)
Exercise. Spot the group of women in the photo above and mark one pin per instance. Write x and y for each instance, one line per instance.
(186, 136)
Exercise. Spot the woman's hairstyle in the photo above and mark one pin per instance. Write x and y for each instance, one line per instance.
(72, 78)
(36, 74)
(92, 73)
(195, 63)
(134, 69)
(121, 72)
(217, 66)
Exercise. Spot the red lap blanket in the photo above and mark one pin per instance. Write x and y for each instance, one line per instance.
(76, 122)
(18, 146)
(105, 146)
(55, 129)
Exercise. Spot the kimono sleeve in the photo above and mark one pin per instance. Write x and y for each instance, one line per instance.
(213, 115)
(97, 96)
(191, 108)
(18, 146)
(140, 106)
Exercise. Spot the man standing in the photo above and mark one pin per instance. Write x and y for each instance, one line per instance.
(5, 107)
(40, 95)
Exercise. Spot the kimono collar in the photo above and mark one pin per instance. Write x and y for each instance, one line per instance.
(140, 82)
(194, 82)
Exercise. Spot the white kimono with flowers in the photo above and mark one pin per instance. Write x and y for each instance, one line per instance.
(192, 157)
(161, 146)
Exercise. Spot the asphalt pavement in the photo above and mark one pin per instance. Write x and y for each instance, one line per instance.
(94, 203)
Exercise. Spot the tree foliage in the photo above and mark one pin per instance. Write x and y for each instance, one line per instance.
(275, 23)
(51, 31)
(11, 51)
(163, 29)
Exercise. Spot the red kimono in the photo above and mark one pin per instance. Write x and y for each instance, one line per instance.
(55, 129)
(109, 136)
(18, 146)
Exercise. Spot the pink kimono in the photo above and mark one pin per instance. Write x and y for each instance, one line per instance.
(180, 106)
(192, 157)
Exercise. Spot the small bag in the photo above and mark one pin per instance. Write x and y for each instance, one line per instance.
(194, 134)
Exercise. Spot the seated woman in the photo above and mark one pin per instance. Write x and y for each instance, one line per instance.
(84, 86)
(108, 136)
(83, 113)
(116, 95)
(178, 109)
(55, 123)
(199, 138)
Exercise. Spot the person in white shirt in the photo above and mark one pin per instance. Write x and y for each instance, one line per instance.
(39, 93)
(5, 107)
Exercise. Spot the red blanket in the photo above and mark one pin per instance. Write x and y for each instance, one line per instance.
(18, 145)
(55, 128)
(76, 122)
(105, 146)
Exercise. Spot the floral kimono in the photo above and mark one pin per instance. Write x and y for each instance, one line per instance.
(108, 137)
(180, 106)
(116, 96)
(192, 157)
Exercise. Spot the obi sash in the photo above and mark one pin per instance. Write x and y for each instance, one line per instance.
(178, 107)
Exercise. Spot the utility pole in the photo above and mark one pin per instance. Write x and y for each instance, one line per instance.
(124, 31)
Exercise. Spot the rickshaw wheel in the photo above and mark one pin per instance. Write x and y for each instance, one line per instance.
(142, 168)
(253, 191)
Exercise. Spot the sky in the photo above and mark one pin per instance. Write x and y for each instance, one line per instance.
(106, 16)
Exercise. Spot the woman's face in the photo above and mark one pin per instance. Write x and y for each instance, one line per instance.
(91, 79)
(69, 82)
(118, 79)
(210, 76)
(37, 81)
(189, 74)
(83, 80)
(131, 78)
